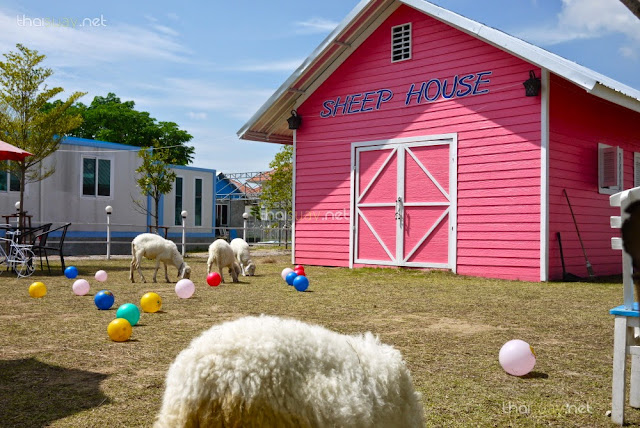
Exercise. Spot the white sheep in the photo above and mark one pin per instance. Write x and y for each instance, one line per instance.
(273, 372)
(241, 252)
(221, 254)
(152, 247)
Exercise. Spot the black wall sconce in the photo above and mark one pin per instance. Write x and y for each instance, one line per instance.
(295, 120)
(532, 85)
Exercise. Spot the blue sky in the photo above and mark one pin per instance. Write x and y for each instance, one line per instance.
(208, 66)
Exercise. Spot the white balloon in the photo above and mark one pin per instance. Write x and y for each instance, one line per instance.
(101, 276)
(285, 272)
(81, 287)
(185, 288)
(517, 358)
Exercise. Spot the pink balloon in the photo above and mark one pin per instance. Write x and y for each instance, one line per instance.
(185, 288)
(517, 358)
(101, 276)
(81, 287)
(285, 272)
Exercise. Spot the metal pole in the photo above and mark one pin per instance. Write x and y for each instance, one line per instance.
(108, 210)
(184, 232)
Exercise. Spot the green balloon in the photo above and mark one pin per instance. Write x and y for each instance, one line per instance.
(130, 312)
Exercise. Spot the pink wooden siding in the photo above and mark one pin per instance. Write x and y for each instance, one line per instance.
(498, 147)
(578, 122)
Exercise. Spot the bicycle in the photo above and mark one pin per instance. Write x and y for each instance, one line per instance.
(20, 257)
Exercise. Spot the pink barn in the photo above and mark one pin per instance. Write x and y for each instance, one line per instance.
(418, 147)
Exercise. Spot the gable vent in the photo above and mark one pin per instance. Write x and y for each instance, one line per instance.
(401, 42)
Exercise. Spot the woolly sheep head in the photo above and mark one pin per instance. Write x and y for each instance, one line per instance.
(186, 272)
(251, 268)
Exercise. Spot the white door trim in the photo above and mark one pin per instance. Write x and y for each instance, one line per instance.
(439, 139)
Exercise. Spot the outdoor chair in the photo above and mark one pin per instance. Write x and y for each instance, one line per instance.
(42, 245)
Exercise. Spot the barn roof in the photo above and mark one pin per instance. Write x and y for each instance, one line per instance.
(269, 123)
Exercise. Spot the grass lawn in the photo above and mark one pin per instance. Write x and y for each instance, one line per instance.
(58, 367)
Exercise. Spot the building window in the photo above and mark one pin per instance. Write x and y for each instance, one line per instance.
(10, 180)
(401, 43)
(610, 178)
(96, 177)
(222, 215)
(198, 203)
(178, 215)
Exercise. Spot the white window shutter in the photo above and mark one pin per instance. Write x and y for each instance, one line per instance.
(610, 162)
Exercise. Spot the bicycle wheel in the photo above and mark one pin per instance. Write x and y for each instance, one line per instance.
(23, 266)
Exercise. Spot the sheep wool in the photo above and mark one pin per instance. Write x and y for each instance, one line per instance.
(273, 372)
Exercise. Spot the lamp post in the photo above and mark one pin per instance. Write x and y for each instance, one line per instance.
(108, 209)
(184, 234)
(245, 216)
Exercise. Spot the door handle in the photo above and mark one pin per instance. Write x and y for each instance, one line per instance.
(399, 208)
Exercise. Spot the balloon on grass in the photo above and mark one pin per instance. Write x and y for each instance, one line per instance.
(119, 330)
(104, 299)
(285, 272)
(290, 277)
(517, 357)
(214, 279)
(130, 312)
(301, 283)
(37, 289)
(71, 272)
(101, 276)
(81, 287)
(185, 288)
(299, 270)
(151, 302)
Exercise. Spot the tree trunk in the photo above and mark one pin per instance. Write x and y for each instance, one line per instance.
(633, 5)
(156, 200)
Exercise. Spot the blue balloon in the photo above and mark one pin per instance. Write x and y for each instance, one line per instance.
(301, 283)
(290, 277)
(71, 272)
(104, 299)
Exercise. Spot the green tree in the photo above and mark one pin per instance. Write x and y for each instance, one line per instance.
(277, 190)
(155, 178)
(110, 119)
(23, 120)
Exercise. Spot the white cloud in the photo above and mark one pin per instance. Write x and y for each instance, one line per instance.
(197, 115)
(166, 30)
(315, 25)
(586, 19)
(88, 46)
(273, 66)
(629, 52)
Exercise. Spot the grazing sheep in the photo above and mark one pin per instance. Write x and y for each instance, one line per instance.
(221, 254)
(271, 372)
(241, 252)
(152, 247)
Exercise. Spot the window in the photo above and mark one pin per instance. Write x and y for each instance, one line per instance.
(609, 169)
(198, 203)
(96, 177)
(401, 43)
(222, 215)
(178, 215)
(10, 180)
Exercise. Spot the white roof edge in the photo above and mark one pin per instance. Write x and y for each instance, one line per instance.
(305, 64)
(591, 81)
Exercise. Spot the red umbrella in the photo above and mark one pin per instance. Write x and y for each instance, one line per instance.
(9, 152)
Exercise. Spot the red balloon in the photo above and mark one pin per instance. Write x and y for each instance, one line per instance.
(299, 270)
(298, 267)
(213, 279)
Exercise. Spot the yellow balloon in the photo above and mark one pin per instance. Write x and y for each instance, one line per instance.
(119, 330)
(37, 289)
(151, 302)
